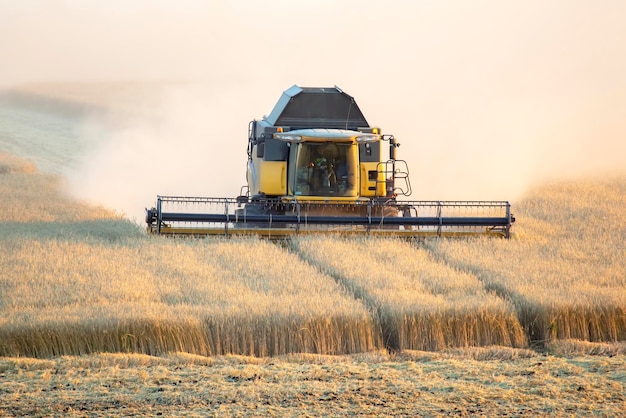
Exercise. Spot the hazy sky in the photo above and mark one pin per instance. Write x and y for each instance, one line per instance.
(486, 97)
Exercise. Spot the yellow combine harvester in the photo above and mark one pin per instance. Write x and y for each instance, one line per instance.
(315, 166)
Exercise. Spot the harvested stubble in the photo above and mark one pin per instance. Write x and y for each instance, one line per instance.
(420, 304)
(566, 272)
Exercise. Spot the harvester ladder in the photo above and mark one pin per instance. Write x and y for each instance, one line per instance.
(395, 172)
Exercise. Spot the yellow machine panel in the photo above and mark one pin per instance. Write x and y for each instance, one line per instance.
(272, 176)
(372, 180)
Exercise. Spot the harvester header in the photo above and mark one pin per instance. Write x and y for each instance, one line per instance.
(315, 165)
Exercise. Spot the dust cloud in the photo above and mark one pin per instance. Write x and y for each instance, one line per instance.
(487, 98)
(188, 144)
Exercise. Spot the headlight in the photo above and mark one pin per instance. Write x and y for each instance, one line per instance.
(368, 138)
(287, 137)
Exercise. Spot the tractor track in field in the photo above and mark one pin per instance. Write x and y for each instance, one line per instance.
(533, 327)
(388, 330)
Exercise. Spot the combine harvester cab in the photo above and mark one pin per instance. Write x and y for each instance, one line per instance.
(315, 165)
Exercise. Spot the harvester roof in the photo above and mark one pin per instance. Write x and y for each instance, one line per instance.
(317, 107)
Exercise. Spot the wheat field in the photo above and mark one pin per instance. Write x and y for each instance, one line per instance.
(73, 285)
(566, 272)
(79, 279)
(420, 304)
(97, 318)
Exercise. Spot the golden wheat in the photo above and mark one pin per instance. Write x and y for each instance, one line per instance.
(421, 304)
(566, 274)
(207, 297)
(30, 197)
(85, 280)
(78, 279)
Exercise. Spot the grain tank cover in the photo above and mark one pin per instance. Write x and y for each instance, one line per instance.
(317, 107)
